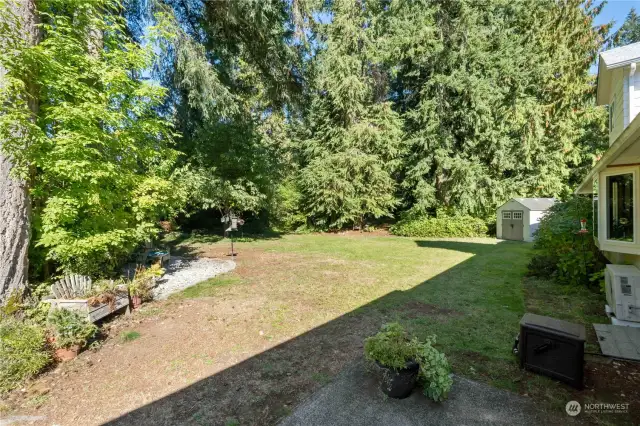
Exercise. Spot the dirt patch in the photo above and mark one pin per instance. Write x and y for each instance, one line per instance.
(416, 309)
(241, 355)
(378, 232)
(614, 382)
(474, 357)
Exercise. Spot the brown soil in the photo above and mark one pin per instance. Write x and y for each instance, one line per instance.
(613, 381)
(200, 361)
(416, 309)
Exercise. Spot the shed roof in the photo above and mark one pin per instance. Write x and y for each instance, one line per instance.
(535, 204)
(609, 61)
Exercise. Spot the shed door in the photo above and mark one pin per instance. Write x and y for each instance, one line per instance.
(512, 225)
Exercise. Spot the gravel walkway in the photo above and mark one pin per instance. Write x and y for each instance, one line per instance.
(182, 273)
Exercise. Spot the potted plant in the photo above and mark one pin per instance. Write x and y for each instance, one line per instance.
(404, 361)
(142, 284)
(70, 332)
(136, 290)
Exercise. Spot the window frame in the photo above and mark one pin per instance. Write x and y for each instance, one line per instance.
(505, 213)
(595, 207)
(520, 212)
(612, 109)
(603, 197)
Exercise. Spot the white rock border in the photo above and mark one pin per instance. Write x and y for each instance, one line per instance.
(183, 273)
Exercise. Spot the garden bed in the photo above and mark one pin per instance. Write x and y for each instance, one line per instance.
(94, 313)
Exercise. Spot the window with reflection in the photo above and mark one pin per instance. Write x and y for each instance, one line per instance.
(620, 207)
(596, 209)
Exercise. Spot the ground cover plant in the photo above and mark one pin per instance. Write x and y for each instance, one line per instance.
(23, 352)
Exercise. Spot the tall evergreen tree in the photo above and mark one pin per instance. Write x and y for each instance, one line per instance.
(629, 32)
(354, 136)
(233, 68)
(493, 94)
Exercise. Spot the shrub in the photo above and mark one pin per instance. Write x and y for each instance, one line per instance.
(142, 283)
(392, 347)
(562, 253)
(447, 226)
(285, 211)
(70, 328)
(23, 352)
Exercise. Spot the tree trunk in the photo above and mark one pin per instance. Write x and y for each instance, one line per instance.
(15, 205)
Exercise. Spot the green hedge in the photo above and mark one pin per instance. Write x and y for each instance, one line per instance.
(561, 252)
(454, 226)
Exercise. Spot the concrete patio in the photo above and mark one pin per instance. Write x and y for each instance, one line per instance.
(354, 399)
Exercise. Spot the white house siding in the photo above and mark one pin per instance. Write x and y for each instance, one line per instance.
(622, 258)
(618, 95)
(634, 95)
(625, 97)
(534, 222)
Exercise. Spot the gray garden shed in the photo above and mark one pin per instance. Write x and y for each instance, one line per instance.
(518, 218)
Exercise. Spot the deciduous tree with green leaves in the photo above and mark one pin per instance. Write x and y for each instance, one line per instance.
(233, 70)
(96, 154)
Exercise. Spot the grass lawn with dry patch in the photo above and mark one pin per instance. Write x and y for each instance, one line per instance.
(248, 346)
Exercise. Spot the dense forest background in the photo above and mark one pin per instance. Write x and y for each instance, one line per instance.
(295, 114)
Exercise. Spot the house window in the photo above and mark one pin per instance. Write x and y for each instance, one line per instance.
(517, 215)
(595, 207)
(506, 215)
(620, 207)
(612, 109)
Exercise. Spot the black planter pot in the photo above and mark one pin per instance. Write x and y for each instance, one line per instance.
(399, 383)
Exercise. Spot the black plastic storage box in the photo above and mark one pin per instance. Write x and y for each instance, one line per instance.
(552, 347)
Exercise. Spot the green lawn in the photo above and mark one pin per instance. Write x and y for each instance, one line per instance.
(471, 293)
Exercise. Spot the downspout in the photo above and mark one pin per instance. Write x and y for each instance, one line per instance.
(632, 109)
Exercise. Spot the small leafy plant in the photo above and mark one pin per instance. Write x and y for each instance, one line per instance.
(393, 348)
(105, 292)
(142, 282)
(23, 352)
(70, 328)
(129, 336)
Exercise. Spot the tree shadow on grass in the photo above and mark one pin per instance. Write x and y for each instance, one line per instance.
(179, 242)
(267, 386)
